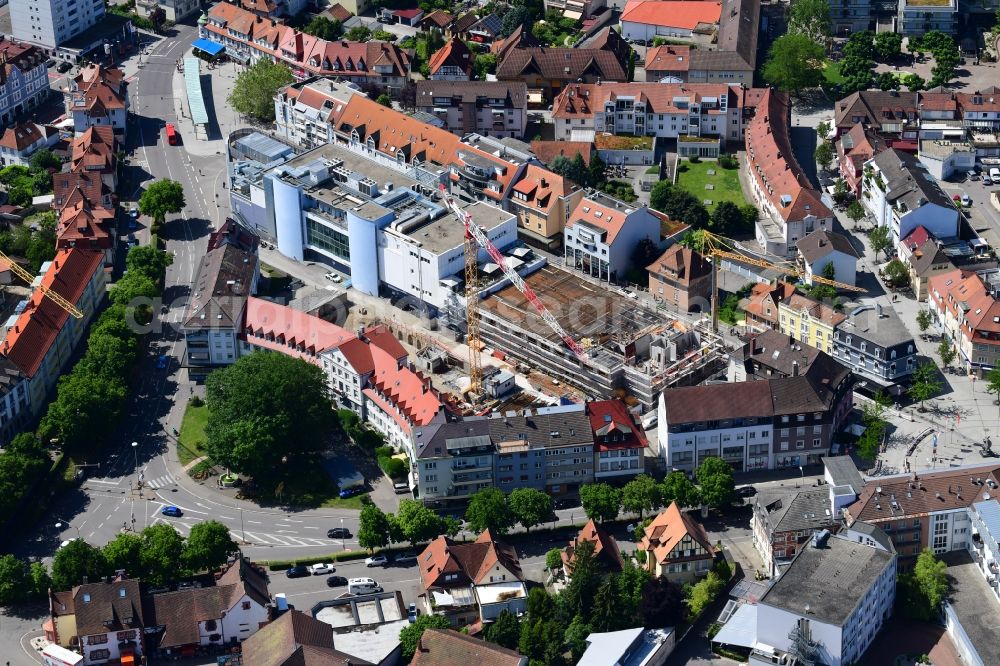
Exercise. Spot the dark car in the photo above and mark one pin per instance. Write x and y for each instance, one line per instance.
(336, 581)
(172, 511)
(746, 491)
(298, 572)
(351, 492)
(64, 67)
(161, 362)
(338, 533)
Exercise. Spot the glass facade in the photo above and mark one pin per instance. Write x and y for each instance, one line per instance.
(324, 238)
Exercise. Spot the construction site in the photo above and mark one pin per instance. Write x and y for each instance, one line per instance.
(631, 351)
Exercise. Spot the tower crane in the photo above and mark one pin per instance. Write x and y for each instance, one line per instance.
(713, 245)
(48, 293)
(475, 238)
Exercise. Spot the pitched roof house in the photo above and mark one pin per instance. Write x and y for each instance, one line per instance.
(468, 582)
(762, 308)
(452, 62)
(682, 277)
(295, 639)
(606, 552)
(103, 619)
(444, 647)
(676, 545)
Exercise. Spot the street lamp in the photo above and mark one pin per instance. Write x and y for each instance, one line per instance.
(135, 455)
(63, 522)
(342, 533)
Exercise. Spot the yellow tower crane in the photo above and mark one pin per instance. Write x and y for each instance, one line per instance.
(719, 247)
(48, 293)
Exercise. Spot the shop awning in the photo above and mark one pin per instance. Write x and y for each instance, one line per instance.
(208, 46)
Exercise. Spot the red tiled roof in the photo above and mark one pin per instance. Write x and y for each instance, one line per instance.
(773, 294)
(94, 149)
(605, 547)
(773, 164)
(407, 13)
(542, 188)
(668, 58)
(440, 18)
(471, 561)
(453, 54)
(609, 219)
(102, 88)
(584, 100)
(547, 151)
(20, 136)
(31, 337)
(359, 355)
(613, 426)
(917, 237)
(668, 529)
(295, 328)
(681, 264)
(404, 388)
(686, 14)
(444, 647)
(965, 296)
(382, 337)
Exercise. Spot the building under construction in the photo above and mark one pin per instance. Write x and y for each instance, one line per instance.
(631, 349)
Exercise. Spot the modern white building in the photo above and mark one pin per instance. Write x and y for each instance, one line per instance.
(821, 248)
(828, 605)
(602, 233)
(898, 191)
(50, 23)
(304, 111)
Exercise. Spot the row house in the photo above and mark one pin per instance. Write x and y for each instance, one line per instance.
(765, 424)
(21, 140)
(892, 114)
(698, 115)
(248, 37)
(878, 348)
(808, 321)
(929, 509)
(791, 207)
(762, 305)
(964, 305)
(24, 79)
(489, 108)
(542, 201)
(854, 148)
(925, 261)
(824, 249)
(472, 582)
(95, 151)
(899, 193)
(605, 551)
(41, 340)
(98, 95)
(619, 442)
(602, 234)
(15, 410)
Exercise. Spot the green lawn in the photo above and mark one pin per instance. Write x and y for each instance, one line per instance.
(831, 72)
(191, 443)
(694, 177)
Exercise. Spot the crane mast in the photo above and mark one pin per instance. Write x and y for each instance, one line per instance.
(475, 238)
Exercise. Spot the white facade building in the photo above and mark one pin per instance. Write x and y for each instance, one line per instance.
(602, 233)
(50, 23)
(834, 597)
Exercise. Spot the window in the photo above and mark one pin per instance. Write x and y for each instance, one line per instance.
(100, 654)
(817, 443)
(800, 444)
(99, 639)
(246, 605)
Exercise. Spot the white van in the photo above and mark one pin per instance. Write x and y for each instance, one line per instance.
(363, 586)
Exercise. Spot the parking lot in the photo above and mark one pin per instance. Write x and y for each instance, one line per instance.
(984, 217)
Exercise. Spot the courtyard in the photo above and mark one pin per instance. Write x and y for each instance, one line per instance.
(710, 182)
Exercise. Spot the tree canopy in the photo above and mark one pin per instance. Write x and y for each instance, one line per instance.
(810, 18)
(601, 502)
(411, 633)
(530, 506)
(640, 495)
(374, 528)
(794, 63)
(162, 197)
(715, 481)
(255, 88)
(208, 546)
(76, 560)
(488, 510)
(267, 414)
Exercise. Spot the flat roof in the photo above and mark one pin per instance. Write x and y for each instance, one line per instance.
(373, 644)
(828, 582)
(192, 84)
(973, 602)
(583, 309)
(492, 593)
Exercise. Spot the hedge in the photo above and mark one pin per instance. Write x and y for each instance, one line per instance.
(339, 556)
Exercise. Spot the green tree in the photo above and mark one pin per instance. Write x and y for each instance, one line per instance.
(163, 197)
(84, 405)
(660, 194)
(384, 100)
(701, 595)
(576, 637)
(22, 463)
(993, 383)
(924, 320)
(823, 155)
(484, 64)
(606, 612)
(873, 419)
(132, 287)
(44, 159)
(931, 576)
(726, 219)
(600, 501)
(374, 528)
(41, 582)
(488, 510)
(265, 412)
(896, 273)
(630, 582)
(810, 18)
(149, 261)
(530, 506)
(162, 550)
(323, 28)
(677, 487)
(74, 562)
(417, 523)
(640, 495)
(945, 63)
(411, 633)
(794, 63)
(15, 580)
(208, 546)
(505, 631)
(255, 88)
(888, 45)
(541, 605)
(946, 351)
(42, 248)
(914, 82)
(715, 481)
(542, 642)
(516, 17)
(124, 553)
(858, 73)
(924, 383)
(553, 559)
(662, 603)
(855, 211)
(578, 597)
(880, 239)
(887, 81)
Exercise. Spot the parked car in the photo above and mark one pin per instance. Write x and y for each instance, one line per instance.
(64, 67)
(67, 542)
(376, 561)
(338, 533)
(405, 557)
(351, 492)
(321, 569)
(971, 173)
(333, 277)
(966, 200)
(401, 488)
(995, 174)
(412, 614)
(336, 581)
(161, 362)
(172, 511)
(746, 491)
(297, 572)
(987, 180)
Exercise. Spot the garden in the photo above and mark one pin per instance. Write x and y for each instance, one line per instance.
(710, 181)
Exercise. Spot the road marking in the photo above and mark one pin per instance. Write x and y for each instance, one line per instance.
(104, 482)
(285, 532)
(311, 527)
(255, 522)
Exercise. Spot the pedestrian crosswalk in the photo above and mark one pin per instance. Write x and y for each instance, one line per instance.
(160, 481)
(261, 539)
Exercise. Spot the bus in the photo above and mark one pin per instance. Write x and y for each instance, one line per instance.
(171, 135)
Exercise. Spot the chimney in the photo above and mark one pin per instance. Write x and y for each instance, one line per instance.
(753, 345)
(795, 368)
